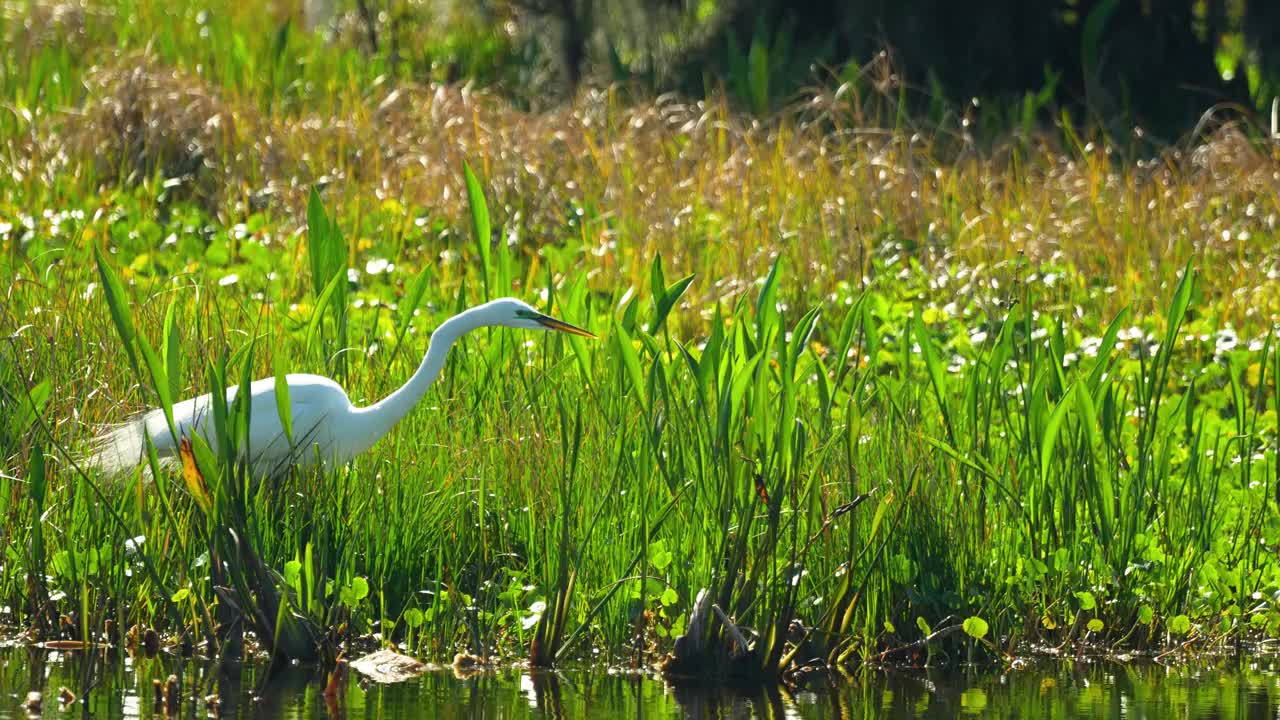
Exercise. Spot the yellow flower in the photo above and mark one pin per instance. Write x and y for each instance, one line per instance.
(364, 244)
(1253, 374)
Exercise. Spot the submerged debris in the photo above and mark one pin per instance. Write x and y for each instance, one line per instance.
(467, 661)
(697, 656)
(388, 666)
(690, 646)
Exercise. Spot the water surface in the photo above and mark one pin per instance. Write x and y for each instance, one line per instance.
(122, 688)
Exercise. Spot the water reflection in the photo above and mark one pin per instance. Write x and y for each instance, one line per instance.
(125, 688)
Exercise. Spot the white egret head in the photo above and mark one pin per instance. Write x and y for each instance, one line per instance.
(514, 313)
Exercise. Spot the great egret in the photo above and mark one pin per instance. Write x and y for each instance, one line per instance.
(327, 428)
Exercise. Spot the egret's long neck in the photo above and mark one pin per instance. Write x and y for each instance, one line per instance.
(387, 412)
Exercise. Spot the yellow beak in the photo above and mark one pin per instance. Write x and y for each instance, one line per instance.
(551, 323)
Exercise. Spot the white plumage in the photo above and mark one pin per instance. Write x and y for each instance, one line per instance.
(318, 406)
(327, 429)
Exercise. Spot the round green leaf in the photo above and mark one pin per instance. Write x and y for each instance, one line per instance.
(292, 572)
(1146, 615)
(659, 556)
(360, 588)
(975, 627)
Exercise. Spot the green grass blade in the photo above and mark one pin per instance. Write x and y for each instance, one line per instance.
(328, 254)
(171, 350)
(1178, 306)
(117, 304)
(1104, 350)
(322, 302)
(767, 303)
(283, 407)
(937, 377)
(670, 296)
(480, 231)
(657, 280)
(1050, 439)
(408, 305)
(324, 244)
(159, 381)
(30, 407)
(630, 363)
(242, 406)
(800, 337)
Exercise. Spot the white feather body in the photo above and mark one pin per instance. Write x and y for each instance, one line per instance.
(319, 409)
(327, 429)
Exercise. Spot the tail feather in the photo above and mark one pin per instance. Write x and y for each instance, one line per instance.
(120, 448)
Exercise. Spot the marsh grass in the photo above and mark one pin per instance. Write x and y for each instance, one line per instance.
(861, 385)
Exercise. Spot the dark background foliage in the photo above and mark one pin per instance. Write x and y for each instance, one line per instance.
(1158, 64)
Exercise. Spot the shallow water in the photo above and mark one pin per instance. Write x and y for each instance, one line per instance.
(1064, 689)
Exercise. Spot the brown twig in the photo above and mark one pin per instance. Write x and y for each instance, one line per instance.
(734, 632)
(918, 644)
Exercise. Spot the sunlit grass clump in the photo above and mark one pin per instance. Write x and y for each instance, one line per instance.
(861, 387)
